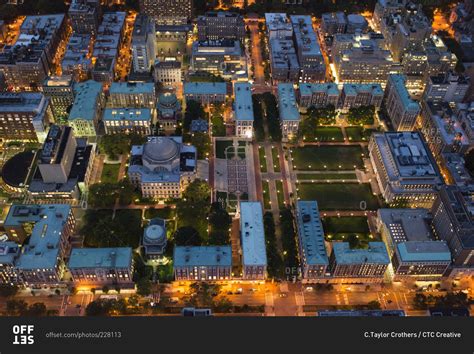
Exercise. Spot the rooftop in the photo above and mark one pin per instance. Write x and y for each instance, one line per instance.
(132, 88)
(407, 224)
(311, 233)
(205, 88)
(112, 258)
(8, 252)
(277, 22)
(252, 234)
(376, 253)
(243, 106)
(330, 89)
(306, 39)
(355, 89)
(428, 251)
(399, 83)
(48, 222)
(287, 102)
(87, 94)
(196, 256)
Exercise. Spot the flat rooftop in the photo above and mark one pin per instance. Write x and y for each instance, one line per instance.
(305, 36)
(355, 89)
(85, 102)
(243, 106)
(330, 89)
(311, 233)
(376, 253)
(252, 234)
(201, 256)
(277, 22)
(205, 88)
(132, 88)
(112, 258)
(424, 251)
(399, 83)
(407, 224)
(48, 222)
(287, 102)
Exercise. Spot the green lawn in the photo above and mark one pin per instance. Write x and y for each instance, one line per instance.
(110, 173)
(358, 133)
(262, 158)
(164, 213)
(329, 134)
(218, 127)
(325, 176)
(339, 229)
(276, 160)
(280, 194)
(313, 158)
(221, 146)
(266, 195)
(339, 196)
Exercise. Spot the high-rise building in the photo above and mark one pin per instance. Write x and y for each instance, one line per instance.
(284, 63)
(446, 87)
(24, 116)
(63, 168)
(28, 62)
(168, 12)
(453, 222)
(254, 254)
(414, 251)
(406, 171)
(365, 63)
(222, 57)
(101, 266)
(202, 263)
(85, 16)
(333, 22)
(143, 44)
(442, 130)
(312, 249)
(401, 108)
(77, 60)
(218, 25)
(243, 110)
(59, 90)
(310, 58)
(288, 109)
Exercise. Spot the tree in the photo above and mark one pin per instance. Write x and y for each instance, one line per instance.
(193, 208)
(361, 115)
(57, 292)
(353, 241)
(288, 237)
(202, 142)
(187, 236)
(96, 308)
(105, 289)
(7, 290)
(194, 110)
(220, 222)
(144, 287)
(202, 294)
(374, 305)
(323, 115)
(38, 309)
(16, 308)
(115, 144)
(420, 302)
(102, 195)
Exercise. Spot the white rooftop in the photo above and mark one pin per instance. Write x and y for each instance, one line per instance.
(252, 232)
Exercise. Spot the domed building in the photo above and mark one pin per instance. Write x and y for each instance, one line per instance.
(168, 108)
(154, 238)
(162, 167)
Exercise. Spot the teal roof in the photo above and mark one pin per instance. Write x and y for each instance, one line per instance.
(243, 106)
(42, 249)
(205, 88)
(85, 102)
(311, 233)
(287, 102)
(190, 256)
(117, 257)
(424, 251)
(354, 89)
(376, 253)
(329, 88)
(399, 81)
(252, 234)
(133, 114)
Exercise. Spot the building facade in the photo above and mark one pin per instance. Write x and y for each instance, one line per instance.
(217, 25)
(289, 113)
(243, 110)
(59, 90)
(202, 263)
(168, 12)
(205, 92)
(401, 108)
(127, 120)
(360, 95)
(318, 95)
(87, 109)
(143, 44)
